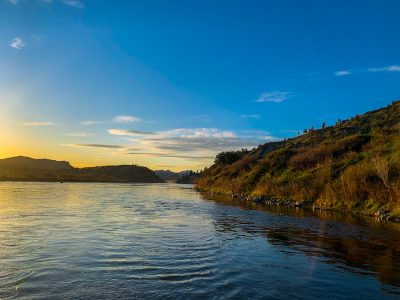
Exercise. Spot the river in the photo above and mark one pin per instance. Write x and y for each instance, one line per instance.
(166, 241)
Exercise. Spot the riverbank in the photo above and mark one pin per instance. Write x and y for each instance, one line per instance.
(380, 214)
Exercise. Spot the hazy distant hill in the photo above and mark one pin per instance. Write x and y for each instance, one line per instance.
(353, 165)
(187, 176)
(25, 168)
(168, 175)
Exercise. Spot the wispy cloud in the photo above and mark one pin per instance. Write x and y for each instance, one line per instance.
(194, 145)
(126, 119)
(255, 116)
(13, 2)
(125, 132)
(197, 141)
(105, 146)
(392, 68)
(17, 43)
(74, 3)
(388, 69)
(89, 123)
(190, 157)
(201, 144)
(275, 96)
(38, 124)
(79, 134)
(342, 73)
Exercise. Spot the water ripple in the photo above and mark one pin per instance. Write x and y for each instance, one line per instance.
(161, 241)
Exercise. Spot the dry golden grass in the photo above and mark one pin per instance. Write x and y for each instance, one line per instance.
(354, 165)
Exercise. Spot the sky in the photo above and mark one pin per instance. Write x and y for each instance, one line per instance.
(168, 84)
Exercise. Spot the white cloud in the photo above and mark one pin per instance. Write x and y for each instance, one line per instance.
(201, 144)
(255, 116)
(17, 43)
(38, 124)
(177, 133)
(74, 3)
(79, 134)
(189, 133)
(194, 145)
(13, 2)
(126, 119)
(89, 123)
(275, 96)
(342, 73)
(392, 68)
(124, 132)
(196, 141)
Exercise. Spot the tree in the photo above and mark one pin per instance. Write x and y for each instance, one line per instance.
(229, 157)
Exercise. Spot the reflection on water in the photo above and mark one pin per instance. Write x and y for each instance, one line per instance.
(83, 240)
(354, 243)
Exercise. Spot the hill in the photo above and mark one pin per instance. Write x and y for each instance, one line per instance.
(353, 165)
(30, 163)
(25, 168)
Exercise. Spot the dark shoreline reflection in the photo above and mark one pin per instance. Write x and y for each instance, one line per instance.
(357, 244)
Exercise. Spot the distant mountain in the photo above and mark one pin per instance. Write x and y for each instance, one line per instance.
(26, 168)
(353, 165)
(184, 177)
(168, 175)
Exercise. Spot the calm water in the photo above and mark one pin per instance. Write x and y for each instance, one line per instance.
(103, 241)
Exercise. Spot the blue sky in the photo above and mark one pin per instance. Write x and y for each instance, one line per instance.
(168, 84)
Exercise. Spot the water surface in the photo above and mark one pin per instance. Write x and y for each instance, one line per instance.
(162, 241)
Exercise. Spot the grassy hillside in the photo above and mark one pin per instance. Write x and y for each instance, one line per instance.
(25, 168)
(353, 165)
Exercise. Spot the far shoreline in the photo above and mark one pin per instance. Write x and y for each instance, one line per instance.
(71, 181)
